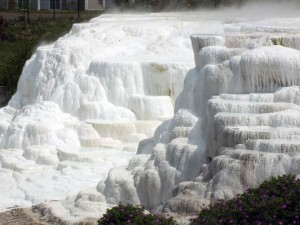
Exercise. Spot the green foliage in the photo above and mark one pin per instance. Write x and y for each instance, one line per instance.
(3, 27)
(275, 202)
(11, 69)
(19, 44)
(134, 215)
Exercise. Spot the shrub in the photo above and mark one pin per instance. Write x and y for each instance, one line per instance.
(18, 45)
(275, 202)
(134, 215)
(11, 68)
(3, 26)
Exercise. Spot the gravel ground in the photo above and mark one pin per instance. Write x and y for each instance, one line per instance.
(20, 217)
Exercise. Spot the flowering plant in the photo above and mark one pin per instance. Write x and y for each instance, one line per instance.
(274, 202)
(134, 215)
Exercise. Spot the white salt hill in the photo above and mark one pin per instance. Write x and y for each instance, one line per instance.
(214, 147)
(84, 103)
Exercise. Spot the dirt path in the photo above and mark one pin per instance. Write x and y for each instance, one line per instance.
(20, 217)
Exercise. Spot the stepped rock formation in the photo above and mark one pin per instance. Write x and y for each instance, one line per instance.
(215, 147)
(236, 124)
(87, 103)
(84, 102)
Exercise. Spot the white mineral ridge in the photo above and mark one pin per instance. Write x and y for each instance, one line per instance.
(215, 147)
(86, 103)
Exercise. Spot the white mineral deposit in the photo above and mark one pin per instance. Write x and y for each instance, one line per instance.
(169, 110)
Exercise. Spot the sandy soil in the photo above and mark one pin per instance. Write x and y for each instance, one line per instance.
(20, 216)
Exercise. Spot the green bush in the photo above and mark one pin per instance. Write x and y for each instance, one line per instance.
(11, 69)
(275, 202)
(134, 215)
(18, 44)
(3, 27)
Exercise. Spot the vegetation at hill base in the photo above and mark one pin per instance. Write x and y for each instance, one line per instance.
(275, 202)
(18, 41)
(134, 215)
